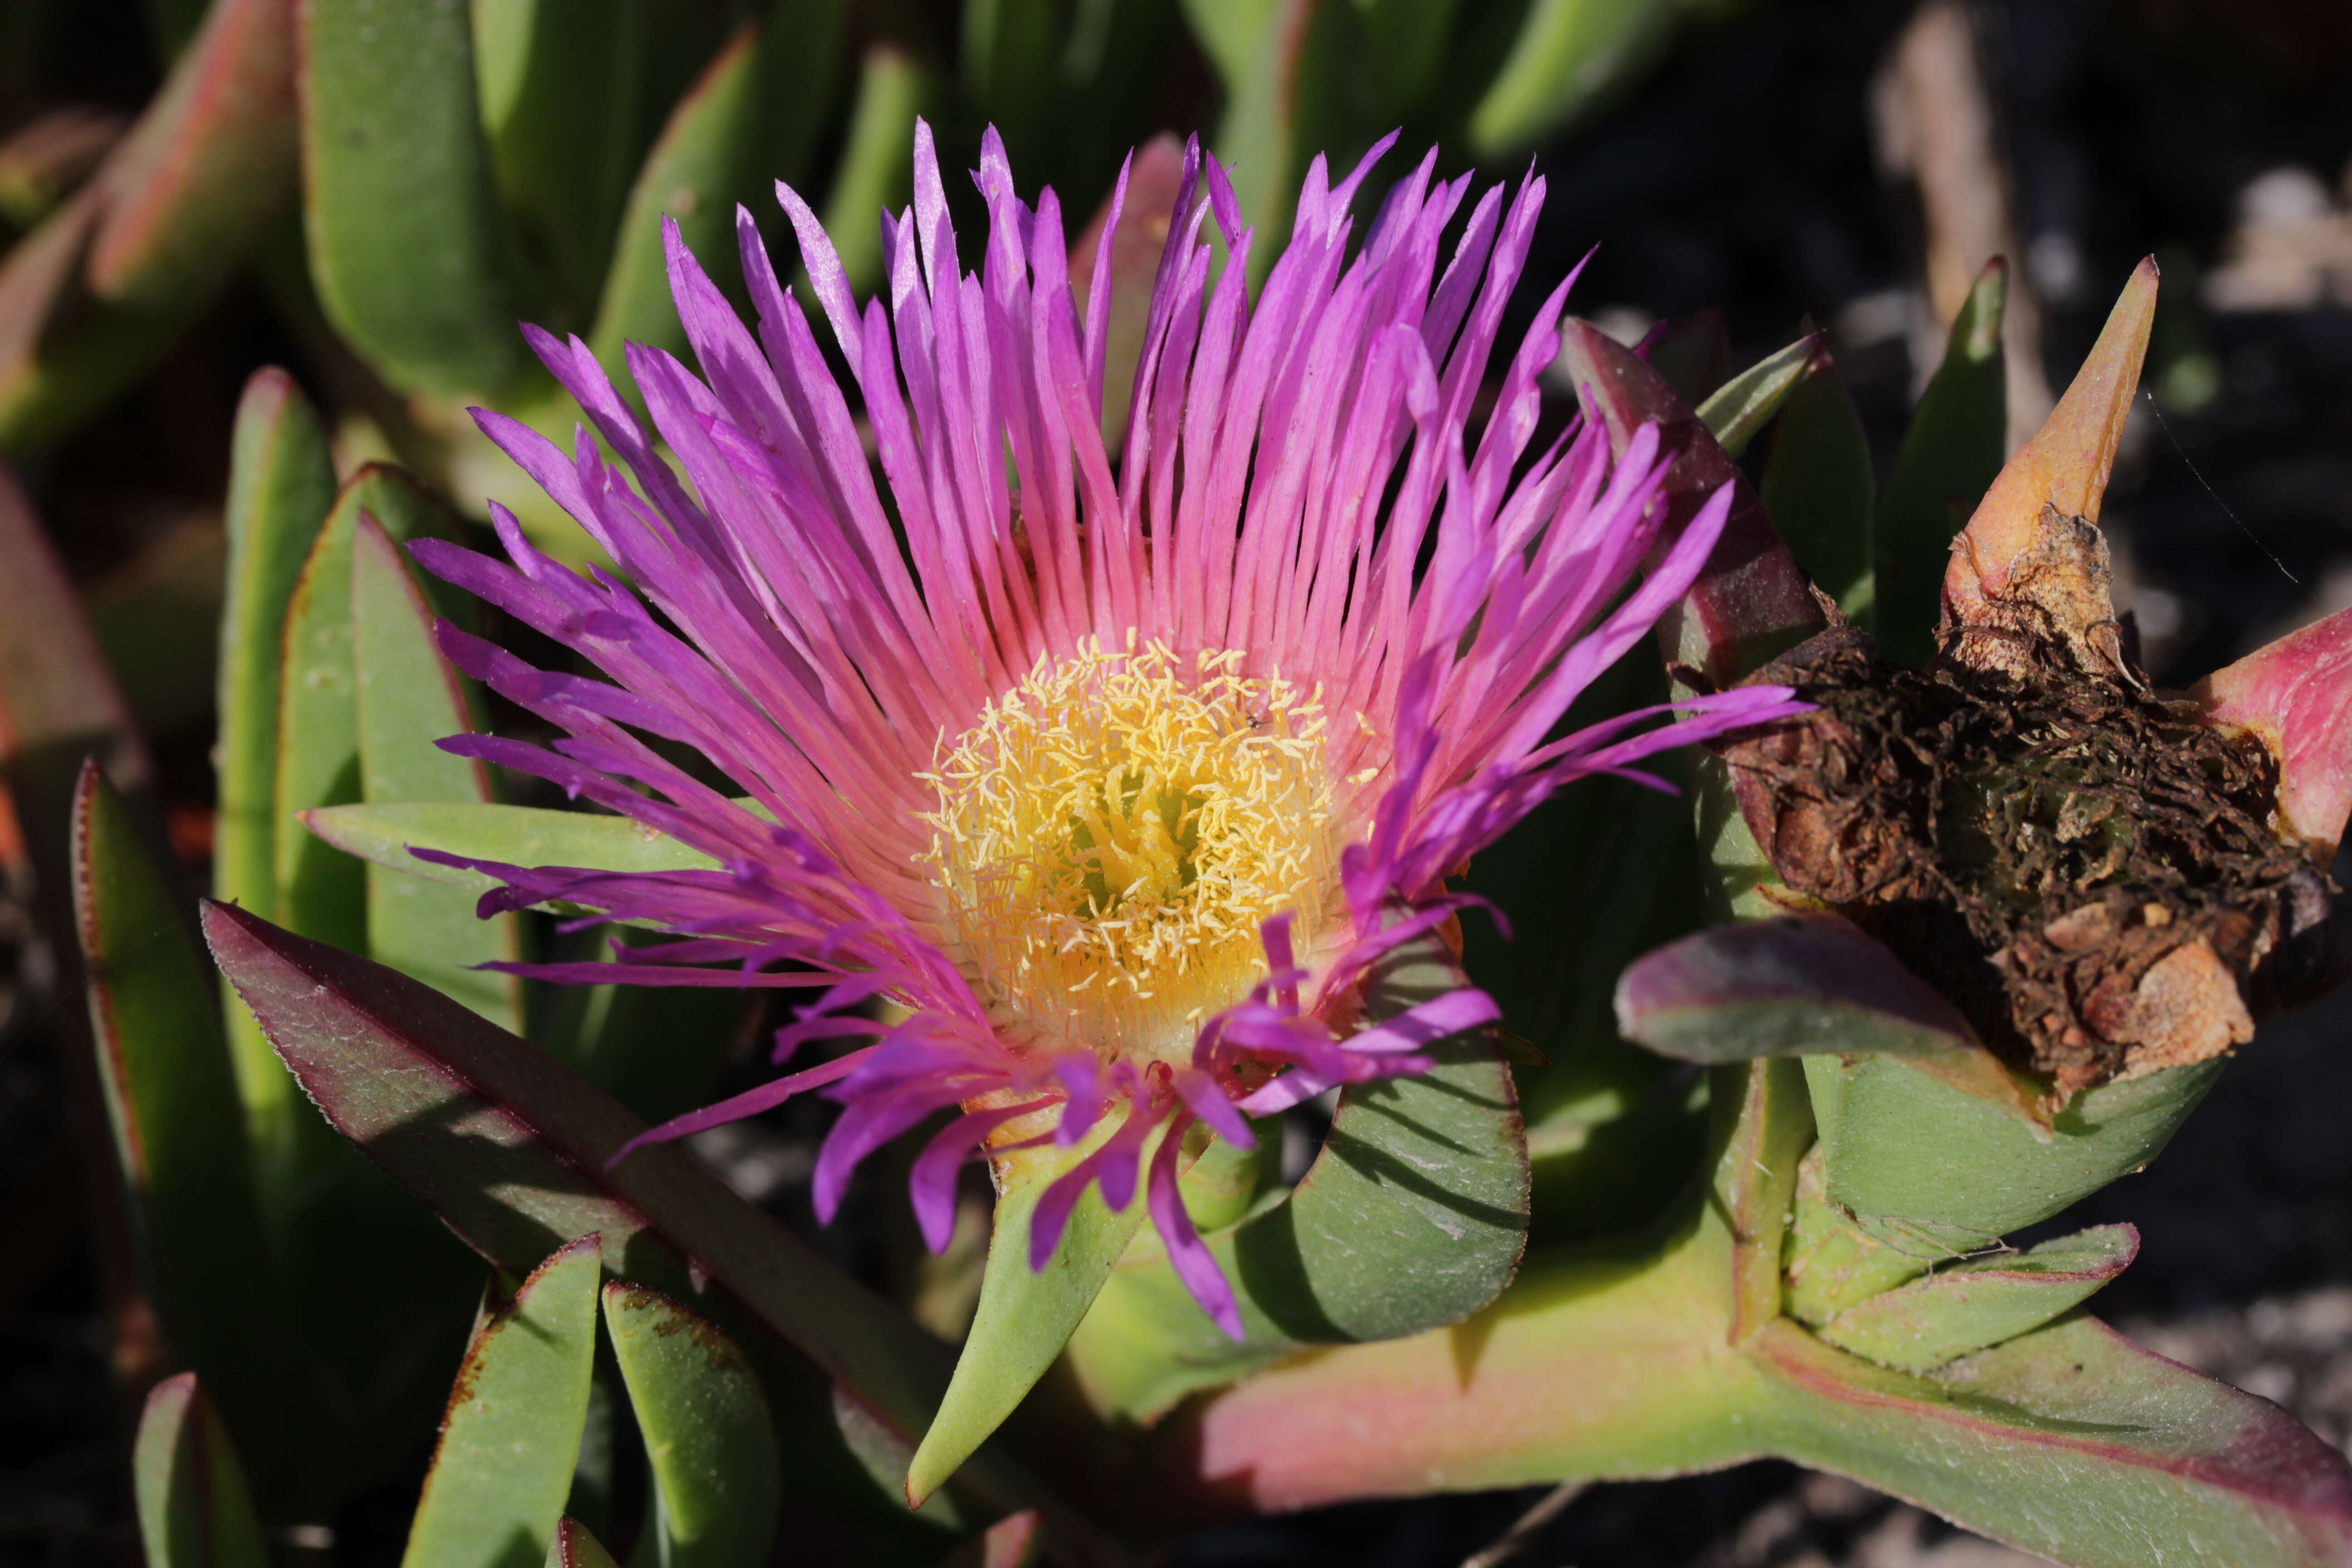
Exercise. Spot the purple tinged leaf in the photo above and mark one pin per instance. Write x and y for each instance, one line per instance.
(1806, 985)
(2295, 695)
(1753, 600)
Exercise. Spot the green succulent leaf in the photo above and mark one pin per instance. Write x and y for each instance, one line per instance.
(875, 171)
(112, 278)
(1957, 443)
(503, 1466)
(416, 264)
(709, 1440)
(1819, 490)
(1808, 985)
(1901, 1145)
(573, 1547)
(382, 834)
(1025, 1315)
(1921, 1326)
(172, 1101)
(409, 698)
(1570, 56)
(1414, 1215)
(194, 1509)
(557, 87)
(281, 483)
(510, 1149)
(1739, 408)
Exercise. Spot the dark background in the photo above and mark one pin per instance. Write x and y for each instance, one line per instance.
(1746, 172)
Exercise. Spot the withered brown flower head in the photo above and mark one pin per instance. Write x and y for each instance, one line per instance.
(2101, 875)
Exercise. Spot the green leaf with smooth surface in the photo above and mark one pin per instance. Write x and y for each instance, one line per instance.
(281, 482)
(1819, 490)
(1957, 443)
(1954, 1311)
(193, 1510)
(1807, 985)
(179, 1136)
(1739, 408)
(509, 1148)
(1025, 1315)
(503, 1466)
(321, 891)
(573, 1547)
(557, 81)
(1902, 1145)
(876, 168)
(752, 117)
(409, 698)
(1570, 56)
(1413, 1215)
(416, 262)
(2073, 1442)
(111, 279)
(381, 834)
(709, 1440)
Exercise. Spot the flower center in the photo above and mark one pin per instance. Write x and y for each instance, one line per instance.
(1111, 833)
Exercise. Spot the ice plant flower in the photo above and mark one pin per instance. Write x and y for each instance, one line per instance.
(1115, 772)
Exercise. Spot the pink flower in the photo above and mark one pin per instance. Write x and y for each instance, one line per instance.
(1114, 771)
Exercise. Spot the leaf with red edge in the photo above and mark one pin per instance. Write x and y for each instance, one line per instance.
(1926, 1323)
(2295, 695)
(1753, 600)
(93, 296)
(1805, 985)
(510, 1149)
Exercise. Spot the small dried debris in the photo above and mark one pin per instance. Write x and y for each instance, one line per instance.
(2096, 877)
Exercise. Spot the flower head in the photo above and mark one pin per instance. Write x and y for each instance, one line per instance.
(1116, 771)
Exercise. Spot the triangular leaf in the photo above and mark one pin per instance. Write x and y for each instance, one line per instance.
(709, 1440)
(1983, 1301)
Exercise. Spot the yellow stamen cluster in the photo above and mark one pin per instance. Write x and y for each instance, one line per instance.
(1112, 831)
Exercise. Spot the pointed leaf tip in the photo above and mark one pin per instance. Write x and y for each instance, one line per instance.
(2068, 463)
(2295, 696)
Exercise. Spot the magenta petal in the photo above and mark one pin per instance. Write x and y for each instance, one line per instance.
(1193, 1263)
(930, 1186)
(748, 1103)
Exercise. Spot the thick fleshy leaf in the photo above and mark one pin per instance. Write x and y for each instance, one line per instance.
(382, 834)
(179, 1137)
(503, 1466)
(1621, 1359)
(1413, 1215)
(749, 117)
(281, 482)
(1984, 1302)
(2294, 695)
(573, 1547)
(709, 1440)
(1751, 602)
(1950, 455)
(509, 1148)
(1568, 58)
(874, 172)
(194, 1509)
(416, 264)
(1904, 1145)
(558, 88)
(2073, 1442)
(1819, 490)
(1835, 1259)
(89, 299)
(1025, 1315)
(2067, 462)
(1735, 412)
(1806, 985)
(409, 698)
